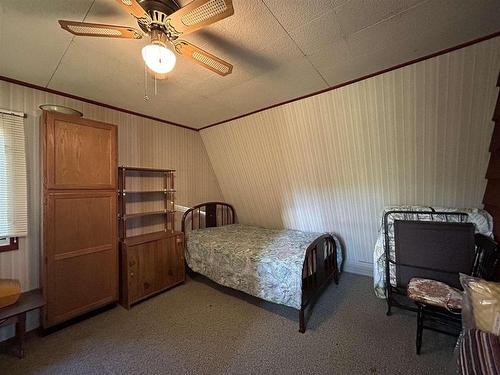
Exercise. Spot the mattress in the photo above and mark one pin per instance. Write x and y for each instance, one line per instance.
(265, 263)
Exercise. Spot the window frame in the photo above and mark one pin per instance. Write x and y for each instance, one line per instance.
(13, 244)
(17, 228)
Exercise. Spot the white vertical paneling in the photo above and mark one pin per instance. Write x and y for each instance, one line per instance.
(331, 162)
(141, 142)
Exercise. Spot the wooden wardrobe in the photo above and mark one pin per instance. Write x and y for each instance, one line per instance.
(79, 218)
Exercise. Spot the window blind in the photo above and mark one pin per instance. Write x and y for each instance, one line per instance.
(13, 190)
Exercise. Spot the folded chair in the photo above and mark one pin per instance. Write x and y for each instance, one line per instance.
(423, 249)
(440, 300)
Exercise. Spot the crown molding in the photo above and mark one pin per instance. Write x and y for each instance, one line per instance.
(94, 102)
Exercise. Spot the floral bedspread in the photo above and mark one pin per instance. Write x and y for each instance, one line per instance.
(480, 218)
(266, 263)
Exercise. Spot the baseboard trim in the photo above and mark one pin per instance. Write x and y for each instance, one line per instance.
(365, 269)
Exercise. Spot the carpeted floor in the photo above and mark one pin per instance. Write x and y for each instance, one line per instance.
(201, 328)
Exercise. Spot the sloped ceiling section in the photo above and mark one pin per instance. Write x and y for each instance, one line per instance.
(331, 162)
(280, 50)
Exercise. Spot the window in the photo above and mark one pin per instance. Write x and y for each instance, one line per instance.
(13, 191)
(8, 244)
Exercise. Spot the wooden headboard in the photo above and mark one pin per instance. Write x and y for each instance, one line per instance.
(207, 215)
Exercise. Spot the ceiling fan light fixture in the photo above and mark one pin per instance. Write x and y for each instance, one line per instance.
(60, 109)
(158, 58)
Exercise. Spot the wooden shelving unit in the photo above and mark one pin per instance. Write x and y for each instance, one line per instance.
(167, 190)
(150, 262)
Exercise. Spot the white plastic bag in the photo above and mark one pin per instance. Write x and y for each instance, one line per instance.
(481, 305)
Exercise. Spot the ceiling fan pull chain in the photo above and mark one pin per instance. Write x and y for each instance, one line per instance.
(146, 97)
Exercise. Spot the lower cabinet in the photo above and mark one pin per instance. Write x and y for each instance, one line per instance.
(80, 267)
(150, 264)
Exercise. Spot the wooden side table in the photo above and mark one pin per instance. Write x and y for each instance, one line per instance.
(16, 314)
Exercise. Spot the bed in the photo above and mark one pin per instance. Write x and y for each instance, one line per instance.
(287, 267)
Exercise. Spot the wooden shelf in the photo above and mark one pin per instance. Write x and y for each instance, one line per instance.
(147, 191)
(150, 213)
(148, 237)
(148, 170)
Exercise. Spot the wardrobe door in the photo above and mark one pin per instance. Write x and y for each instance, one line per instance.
(80, 256)
(81, 262)
(80, 154)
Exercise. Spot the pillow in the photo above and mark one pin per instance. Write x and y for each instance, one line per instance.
(483, 300)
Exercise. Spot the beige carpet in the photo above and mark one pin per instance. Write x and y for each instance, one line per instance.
(200, 328)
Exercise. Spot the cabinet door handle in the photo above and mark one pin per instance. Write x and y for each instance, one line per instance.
(131, 274)
(146, 285)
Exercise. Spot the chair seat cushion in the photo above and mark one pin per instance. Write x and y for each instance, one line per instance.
(435, 293)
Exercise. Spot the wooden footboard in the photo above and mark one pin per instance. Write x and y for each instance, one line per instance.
(320, 266)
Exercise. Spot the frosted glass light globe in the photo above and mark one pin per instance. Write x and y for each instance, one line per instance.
(158, 58)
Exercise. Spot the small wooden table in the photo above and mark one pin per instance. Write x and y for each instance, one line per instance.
(16, 314)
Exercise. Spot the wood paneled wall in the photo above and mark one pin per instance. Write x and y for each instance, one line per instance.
(331, 162)
(141, 142)
(491, 198)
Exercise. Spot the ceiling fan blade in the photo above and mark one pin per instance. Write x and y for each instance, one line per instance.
(132, 7)
(203, 58)
(198, 14)
(100, 30)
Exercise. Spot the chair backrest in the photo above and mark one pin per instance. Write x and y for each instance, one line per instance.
(433, 250)
(487, 258)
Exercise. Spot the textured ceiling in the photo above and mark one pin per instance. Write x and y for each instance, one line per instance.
(280, 50)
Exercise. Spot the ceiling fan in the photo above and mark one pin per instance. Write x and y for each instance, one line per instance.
(165, 22)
